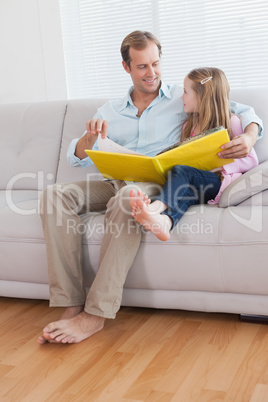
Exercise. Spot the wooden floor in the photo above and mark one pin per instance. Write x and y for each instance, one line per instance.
(142, 355)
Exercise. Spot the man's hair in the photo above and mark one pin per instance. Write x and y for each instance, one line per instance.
(212, 89)
(138, 40)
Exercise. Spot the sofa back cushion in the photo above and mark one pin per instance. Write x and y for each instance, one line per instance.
(258, 99)
(30, 140)
(77, 114)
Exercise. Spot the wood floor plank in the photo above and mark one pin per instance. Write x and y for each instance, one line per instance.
(156, 328)
(230, 358)
(197, 375)
(253, 369)
(141, 349)
(157, 396)
(67, 378)
(163, 361)
(260, 393)
(183, 363)
(144, 355)
(208, 395)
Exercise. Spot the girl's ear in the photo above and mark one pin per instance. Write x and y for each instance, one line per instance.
(126, 68)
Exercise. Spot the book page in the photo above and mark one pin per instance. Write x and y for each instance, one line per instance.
(107, 145)
(192, 138)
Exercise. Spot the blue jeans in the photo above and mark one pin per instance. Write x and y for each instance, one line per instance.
(187, 186)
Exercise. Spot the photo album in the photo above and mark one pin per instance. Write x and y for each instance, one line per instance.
(199, 151)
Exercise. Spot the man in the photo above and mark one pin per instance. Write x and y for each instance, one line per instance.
(146, 120)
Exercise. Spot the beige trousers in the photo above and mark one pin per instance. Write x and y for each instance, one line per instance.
(65, 203)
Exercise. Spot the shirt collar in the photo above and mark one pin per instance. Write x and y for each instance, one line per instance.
(163, 91)
(126, 101)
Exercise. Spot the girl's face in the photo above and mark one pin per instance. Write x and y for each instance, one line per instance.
(189, 97)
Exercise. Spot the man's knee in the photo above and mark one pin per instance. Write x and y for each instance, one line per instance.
(120, 201)
(58, 197)
(46, 199)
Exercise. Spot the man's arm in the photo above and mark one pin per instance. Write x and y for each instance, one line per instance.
(241, 145)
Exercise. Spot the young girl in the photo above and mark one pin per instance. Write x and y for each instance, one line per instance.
(206, 100)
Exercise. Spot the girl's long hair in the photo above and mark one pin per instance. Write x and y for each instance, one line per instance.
(213, 96)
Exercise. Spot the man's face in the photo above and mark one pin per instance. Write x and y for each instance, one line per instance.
(145, 68)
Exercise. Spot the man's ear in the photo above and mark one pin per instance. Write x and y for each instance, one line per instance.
(126, 68)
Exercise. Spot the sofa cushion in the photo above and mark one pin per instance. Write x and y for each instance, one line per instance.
(249, 184)
(77, 114)
(258, 99)
(256, 200)
(208, 251)
(22, 247)
(31, 134)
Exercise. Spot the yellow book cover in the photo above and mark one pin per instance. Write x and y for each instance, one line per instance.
(199, 151)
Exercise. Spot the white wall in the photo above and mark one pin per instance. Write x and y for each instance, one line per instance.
(32, 62)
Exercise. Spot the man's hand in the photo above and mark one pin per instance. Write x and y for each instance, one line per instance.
(97, 126)
(241, 145)
(94, 128)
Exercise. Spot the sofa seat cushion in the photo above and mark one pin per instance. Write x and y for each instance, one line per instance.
(22, 248)
(200, 252)
(14, 198)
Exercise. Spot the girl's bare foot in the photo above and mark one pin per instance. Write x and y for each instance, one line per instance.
(149, 215)
(133, 199)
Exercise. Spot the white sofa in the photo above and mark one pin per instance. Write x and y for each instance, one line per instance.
(215, 261)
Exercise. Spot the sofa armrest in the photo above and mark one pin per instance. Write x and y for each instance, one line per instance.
(249, 184)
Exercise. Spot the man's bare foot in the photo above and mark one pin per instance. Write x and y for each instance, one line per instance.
(69, 312)
(149, 215)
(73, 330)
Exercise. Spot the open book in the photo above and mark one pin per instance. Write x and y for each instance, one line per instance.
(199, 151)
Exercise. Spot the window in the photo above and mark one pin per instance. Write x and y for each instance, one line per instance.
(228, 34)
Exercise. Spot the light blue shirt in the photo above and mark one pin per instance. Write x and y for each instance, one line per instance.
(158, 127)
